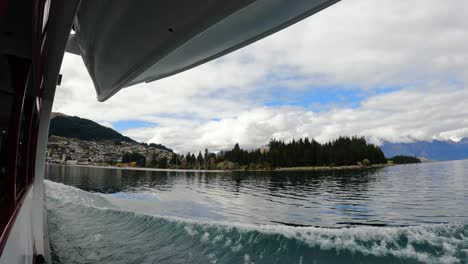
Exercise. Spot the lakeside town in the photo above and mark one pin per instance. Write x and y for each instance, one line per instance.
(73, 151)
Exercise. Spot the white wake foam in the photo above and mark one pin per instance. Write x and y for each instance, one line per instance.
(451, 241)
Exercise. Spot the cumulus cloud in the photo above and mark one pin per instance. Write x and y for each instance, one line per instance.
(416, 47)
(403, 116)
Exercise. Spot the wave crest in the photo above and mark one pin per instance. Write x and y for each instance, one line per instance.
(106, 234)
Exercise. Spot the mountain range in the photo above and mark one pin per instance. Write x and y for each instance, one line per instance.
(431, 150)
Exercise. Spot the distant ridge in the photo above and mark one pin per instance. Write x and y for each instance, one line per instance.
(75, 127)
(429, 150)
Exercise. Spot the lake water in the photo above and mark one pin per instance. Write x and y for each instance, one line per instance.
(401, 214)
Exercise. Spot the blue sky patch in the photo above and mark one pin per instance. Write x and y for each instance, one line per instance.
(127, 124)
(317, 99)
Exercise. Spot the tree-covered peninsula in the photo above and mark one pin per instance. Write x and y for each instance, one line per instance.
(344, 151)
(400, 159)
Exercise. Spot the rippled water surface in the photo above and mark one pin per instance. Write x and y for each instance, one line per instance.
(400, 214)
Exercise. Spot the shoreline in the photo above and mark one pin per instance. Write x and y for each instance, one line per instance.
(332, 168)
(306, 168)
(136, 168)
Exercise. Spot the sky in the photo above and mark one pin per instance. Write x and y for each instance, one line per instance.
(388, 70)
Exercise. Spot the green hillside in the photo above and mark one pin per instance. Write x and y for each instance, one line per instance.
(84, 129)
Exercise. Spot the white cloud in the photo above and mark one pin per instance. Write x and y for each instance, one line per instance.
(403, 116)
(418, 46)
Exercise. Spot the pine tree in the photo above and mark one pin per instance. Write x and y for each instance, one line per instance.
(154, 162)
(205, 159)
(199, 160)
(174, 160)
(188, 159)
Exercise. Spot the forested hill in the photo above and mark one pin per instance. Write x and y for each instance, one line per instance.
(75, 127)
(304, 152)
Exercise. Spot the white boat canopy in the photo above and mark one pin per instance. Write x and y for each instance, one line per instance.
(126, 42)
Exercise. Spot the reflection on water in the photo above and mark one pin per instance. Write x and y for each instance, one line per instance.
(399, 195)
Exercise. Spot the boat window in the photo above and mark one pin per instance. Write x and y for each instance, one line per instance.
(15, 122)
(25, 148)
(21, 160)
(6, 102)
